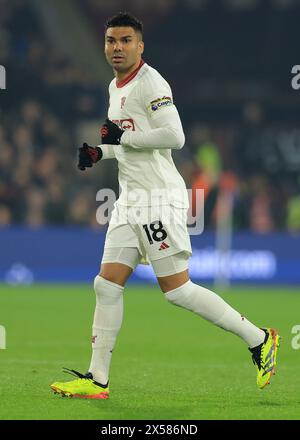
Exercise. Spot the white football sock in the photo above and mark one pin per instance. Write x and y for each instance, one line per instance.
(107, 323)
(213, 308)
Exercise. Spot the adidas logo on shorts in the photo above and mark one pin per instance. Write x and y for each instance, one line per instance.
(163, 246)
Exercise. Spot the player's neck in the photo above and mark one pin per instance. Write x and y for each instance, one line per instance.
(121, 76)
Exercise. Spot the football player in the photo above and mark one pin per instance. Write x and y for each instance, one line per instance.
(149, 219)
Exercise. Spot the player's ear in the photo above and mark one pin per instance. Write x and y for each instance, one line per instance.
(141, 47)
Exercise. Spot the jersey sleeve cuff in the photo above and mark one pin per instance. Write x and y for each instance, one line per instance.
(107, 151)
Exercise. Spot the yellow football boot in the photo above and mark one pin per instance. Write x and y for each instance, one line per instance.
(264, 357)
(84, 387)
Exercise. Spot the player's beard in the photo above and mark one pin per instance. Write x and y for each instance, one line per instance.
(123, 68)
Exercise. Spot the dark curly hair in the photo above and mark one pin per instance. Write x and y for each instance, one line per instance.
(124, 19)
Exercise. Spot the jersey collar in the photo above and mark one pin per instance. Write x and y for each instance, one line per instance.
(128, 78)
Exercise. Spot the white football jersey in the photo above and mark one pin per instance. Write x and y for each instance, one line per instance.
(143, 104)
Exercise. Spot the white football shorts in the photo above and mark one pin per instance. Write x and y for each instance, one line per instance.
(157, 232)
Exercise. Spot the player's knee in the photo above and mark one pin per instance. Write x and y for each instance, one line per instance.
(177, 279)
(181, 296)
(107, 292)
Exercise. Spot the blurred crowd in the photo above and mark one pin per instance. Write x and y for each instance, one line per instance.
(46, 98)
(252, 158)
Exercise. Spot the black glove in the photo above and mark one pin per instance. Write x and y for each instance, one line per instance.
(88, 156)
(110, 133)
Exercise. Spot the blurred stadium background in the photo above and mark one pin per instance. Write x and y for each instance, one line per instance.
(229, 63)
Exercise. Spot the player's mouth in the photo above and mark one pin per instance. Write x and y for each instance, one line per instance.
(117, 59)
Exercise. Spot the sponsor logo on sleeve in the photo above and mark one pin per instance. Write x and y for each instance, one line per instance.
(125, 124)
(159, 103)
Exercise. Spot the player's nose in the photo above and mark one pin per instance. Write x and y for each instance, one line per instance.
(117, 46)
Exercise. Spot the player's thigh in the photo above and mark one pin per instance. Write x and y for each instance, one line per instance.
(171, 271)
(115, 272)
(121, 249)
(174, 281)
(118, 263)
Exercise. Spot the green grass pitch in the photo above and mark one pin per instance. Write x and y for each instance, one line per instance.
(167, 364)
